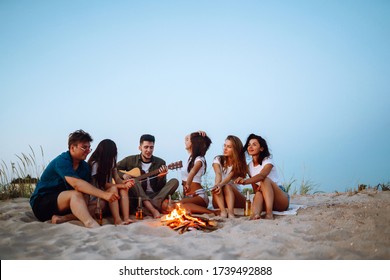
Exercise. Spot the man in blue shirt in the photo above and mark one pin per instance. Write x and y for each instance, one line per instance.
(59, 194)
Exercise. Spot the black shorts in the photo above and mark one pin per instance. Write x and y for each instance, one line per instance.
(46, 206)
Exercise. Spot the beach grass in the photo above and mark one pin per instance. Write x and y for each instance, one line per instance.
(18, 178)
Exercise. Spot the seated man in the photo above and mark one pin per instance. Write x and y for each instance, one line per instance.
(59, 194)
(154, 190)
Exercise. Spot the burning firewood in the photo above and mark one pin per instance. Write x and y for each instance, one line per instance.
(181, 221)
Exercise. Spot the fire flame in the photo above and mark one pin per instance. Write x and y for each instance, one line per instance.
(180, 214)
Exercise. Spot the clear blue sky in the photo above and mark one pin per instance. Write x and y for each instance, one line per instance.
(311, 77)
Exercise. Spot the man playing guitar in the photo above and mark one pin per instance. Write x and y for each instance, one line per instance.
(152, 190)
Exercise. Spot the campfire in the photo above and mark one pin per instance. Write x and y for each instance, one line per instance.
(181, 221)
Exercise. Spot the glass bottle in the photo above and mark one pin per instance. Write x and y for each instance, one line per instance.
(248, 205)
(98, 212)
(139, 215)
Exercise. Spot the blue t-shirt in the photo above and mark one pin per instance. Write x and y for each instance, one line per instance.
(53, 177)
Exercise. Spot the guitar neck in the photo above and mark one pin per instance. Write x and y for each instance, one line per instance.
(149, 174)
(171, 166)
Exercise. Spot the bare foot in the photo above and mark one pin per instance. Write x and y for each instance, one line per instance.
(118, 222)
(224, 214)
(128, 222)
(56, 219)
(269, 216)
(156, 214)
(231, 215)
(91, 224)
(255, 217)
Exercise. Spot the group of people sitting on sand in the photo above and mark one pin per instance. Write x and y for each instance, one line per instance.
(71, 188)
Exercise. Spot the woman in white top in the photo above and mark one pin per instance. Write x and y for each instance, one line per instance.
(103, 166)
(269, 194)
(195, 198)
(228, 167)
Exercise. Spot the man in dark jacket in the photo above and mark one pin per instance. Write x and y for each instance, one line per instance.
(152, 190)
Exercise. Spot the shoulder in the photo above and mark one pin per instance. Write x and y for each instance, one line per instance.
(217, 159)
(158, 160)
(200, 158)
(64, 159)
(267, 160)
(132, 157)
(94, 167)
(64, 156)
(129, 159)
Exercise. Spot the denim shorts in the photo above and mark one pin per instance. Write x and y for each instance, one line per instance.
(283, 189)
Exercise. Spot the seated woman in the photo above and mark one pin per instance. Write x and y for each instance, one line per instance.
(195, 198)
(228, 167)
(103, 166)
(269, 194)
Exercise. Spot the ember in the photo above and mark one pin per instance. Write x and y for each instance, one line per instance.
(182, 221)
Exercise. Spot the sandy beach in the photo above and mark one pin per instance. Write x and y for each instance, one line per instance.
(327, 226)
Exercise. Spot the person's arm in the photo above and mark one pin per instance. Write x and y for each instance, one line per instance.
(119, 183)
(194, 170)
(219, 183)
(258, 177)
(123, 165)
(85, 187)
(161, 179)
(218, 173)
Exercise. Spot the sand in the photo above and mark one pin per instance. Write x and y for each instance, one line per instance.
(327, 227)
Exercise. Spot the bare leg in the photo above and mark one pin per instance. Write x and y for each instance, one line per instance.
(75, 201)
(57, 219)
(196, 205)
(219, 202)
(114, 208)
(125, 206)
(268, 194)
(257, 206)
(229, 198)
(234, 199)
(281, 201)
(156, 214)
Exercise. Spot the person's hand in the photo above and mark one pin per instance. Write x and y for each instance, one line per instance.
(111, 197)
(163, 170)
(259, 188)
(216, 189)
(187, 188)
(127, 184)
(239, 180)
(202, 133)
(127, 176)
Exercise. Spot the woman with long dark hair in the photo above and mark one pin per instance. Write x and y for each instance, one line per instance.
(269, 193)
(105, 177)
(195, 198)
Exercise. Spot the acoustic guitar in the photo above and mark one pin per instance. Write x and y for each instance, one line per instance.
(136, 173)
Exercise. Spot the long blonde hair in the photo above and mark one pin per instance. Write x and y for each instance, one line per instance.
(239, 167)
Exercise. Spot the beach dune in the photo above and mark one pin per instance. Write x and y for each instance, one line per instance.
(327, 226)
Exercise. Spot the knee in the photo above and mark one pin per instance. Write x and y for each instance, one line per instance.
(174, 182)
(78, 195)
(227, 188)
(268, 183)
(113, 189)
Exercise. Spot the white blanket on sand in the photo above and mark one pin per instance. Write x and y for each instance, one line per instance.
(292, 210)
